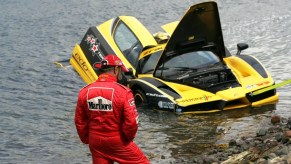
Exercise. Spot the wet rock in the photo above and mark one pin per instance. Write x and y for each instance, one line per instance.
(208, 160)
(214, 151)
(284, 158)
(285, 140)
(283, 150)
(271, 156)
(198, 160)
(275, 119)
(222, 156)
(232, 151)
(240, 145)
(289, 123)
(288, 133)
(236, 158)
(261, 132)
(274, 129)
(276, 160)
(279, 137)
(261, 161)
(252, 144)
(289, 158)
(236, 151)
(248, 140)
(232, 142)
(270, 143)
(240, 142)
(257, 142)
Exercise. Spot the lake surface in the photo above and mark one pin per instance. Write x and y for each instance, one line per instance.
(38, 99)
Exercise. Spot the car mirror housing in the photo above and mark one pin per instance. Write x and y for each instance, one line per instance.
(129, 73)
(240, 47)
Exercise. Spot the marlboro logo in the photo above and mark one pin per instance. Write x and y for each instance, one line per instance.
(100, 104)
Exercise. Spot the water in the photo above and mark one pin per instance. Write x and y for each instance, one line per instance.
(38, 99)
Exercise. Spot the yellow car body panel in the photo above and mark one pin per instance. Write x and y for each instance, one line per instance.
(86, 70)
(144, 36)
(170, 27)
(82, 66)
(141, 33)
(245, 73)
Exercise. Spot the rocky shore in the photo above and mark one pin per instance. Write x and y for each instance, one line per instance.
(271, 144)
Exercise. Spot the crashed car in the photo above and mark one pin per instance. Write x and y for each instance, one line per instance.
(185, 68)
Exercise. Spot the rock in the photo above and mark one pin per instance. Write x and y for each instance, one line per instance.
(222, 156)
(274, 129)
(250, 142)
(240, 142)
(257, 142)
(285, 140)
(289, 158)
(271, 155)
(279, 137)
(214, 151)
(275, 119)
(198, 160)
(283, 150)
(261, 132)
(232, 142)
(232, 151)
(236, 158)
(245, 147)
(288, 134)
(261, 161)
(209, 160)
(289, 123)
(276, 160)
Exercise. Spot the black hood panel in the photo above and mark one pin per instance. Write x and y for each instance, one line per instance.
(199, 29)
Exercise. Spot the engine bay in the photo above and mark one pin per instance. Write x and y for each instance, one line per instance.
(212, 80)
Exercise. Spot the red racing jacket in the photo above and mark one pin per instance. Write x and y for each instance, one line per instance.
(107, 109)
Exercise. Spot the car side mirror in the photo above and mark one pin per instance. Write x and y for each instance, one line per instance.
(130, 73)
(240, 47)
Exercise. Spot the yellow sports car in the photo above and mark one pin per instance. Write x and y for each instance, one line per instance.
(185, 68)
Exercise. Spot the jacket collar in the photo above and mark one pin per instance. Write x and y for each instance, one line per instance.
(105, 77)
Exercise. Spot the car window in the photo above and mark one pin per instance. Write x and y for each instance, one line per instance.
(196, 59)
(127, 42)
(148, 64)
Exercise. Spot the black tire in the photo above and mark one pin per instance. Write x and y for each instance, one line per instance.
(140, 98)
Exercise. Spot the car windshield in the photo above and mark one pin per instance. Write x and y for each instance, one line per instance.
(187, 63)
(192, 60)
(182, 62)
(148, 64)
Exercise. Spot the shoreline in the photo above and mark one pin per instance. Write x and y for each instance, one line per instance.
(271, 144)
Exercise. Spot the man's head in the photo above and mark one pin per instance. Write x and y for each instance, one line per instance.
(111, 64)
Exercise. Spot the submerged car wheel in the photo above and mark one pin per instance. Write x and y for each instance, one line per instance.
(140, 98)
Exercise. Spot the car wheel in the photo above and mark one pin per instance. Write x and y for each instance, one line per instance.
(140, 98)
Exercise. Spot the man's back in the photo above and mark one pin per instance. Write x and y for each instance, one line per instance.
(109, 104)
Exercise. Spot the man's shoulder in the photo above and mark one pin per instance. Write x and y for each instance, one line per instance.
(124, 87)
(86, 87)
(120, 86)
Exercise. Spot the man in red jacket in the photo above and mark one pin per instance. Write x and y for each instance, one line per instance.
(106, 117)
